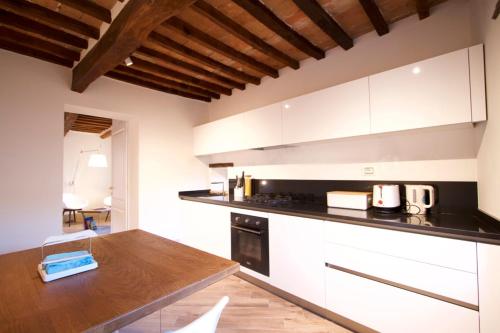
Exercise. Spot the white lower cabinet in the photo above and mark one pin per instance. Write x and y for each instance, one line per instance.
(489, 287)
(296, 257)
(392, 310)
(443, 282)
(206, 227)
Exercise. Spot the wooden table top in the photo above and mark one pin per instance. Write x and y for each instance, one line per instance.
(139, 273)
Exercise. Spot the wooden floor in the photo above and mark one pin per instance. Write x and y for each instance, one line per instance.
(250, 309)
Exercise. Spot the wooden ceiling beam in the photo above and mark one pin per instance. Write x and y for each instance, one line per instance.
(496, 11)
(168, 60)
(173, 46)
(20, 38)
(423, 9)
(89, 8)
(165, 82)
(30, 52)
(125, 34)
(226, 23)
(325, 22)
(167, 73)
(93, 123)
(84, 116)
(20, 22)
(45, 15)
(265, 16)
(375, 16)
(105, 134)
(145, 84)
(192, 33)
(69, 120)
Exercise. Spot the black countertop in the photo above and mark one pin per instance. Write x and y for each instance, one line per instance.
(465, 225)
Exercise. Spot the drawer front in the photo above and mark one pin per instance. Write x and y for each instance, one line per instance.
(451, 253)
(392, 310)
(453, 285)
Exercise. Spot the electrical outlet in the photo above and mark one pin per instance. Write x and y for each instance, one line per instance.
(369, 171)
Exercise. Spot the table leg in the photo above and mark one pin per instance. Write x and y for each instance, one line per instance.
(107, 216)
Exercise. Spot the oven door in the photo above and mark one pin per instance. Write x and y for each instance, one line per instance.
(250, 248)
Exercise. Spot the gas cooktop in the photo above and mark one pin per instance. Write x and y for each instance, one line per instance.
(281, 199)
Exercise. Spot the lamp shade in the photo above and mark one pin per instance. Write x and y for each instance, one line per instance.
(98, 161)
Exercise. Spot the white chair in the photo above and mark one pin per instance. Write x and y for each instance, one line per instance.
(72, 201)
(72, 204)
(206, 323)
(107, 201)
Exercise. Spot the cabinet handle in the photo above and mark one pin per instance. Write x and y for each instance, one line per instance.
(404, 287)
(247, 230)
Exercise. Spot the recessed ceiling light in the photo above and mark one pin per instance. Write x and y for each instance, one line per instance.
(287, 106)
(416, 70)
(129, 61)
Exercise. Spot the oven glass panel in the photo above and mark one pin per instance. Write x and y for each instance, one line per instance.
(250, 247)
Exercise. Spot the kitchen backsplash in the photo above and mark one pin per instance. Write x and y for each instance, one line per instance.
(450, 195)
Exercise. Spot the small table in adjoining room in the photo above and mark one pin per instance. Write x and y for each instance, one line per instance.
(98, 212)
(72, 214)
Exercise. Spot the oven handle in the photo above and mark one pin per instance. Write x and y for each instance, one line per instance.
(247, 230)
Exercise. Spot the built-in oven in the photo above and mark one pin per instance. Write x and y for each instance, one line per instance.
(250, 242)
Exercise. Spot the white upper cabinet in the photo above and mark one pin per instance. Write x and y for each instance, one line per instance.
(477, 83)
(445, 90)
(253, 129)
(335, 112)
(429, 93)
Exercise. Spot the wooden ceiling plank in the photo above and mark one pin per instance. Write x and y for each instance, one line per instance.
(165, 82)
(226, 23)
(125, 34)
(161, 57)
(89, 8)
(214, 44)
(30, 52)
(154, 69)
(265, 16)
(375, 16)
(17, 37)
(173, 46)
(42, 14)
(145, 84)
(325, 22)
(16, 21)
(423, 9)
(69, 120)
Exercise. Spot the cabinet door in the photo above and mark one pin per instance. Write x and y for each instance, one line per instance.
(335, 112)
(392, 310)
(296, 257)
(489, 287)
(207, 227)
(253, 129)
(216, 230)
(429, 93)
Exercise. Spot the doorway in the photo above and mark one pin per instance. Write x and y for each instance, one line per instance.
(94, 174)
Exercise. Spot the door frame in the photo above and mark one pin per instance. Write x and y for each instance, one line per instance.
(132, 143)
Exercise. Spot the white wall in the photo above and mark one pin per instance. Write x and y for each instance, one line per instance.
(92, 184)
(424, 154)
(33, 98)
(488, 31)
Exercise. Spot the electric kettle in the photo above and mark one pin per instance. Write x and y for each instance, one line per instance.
(386, 198)
(415, 199)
